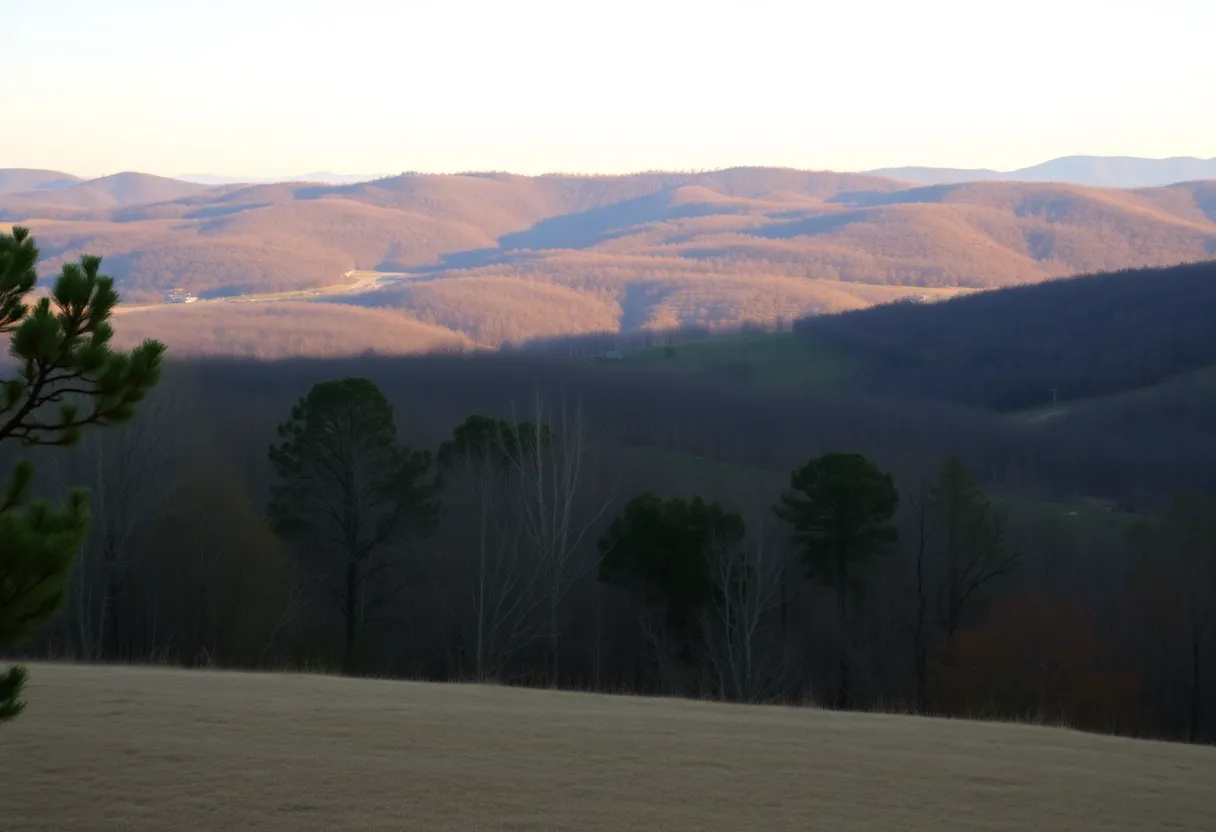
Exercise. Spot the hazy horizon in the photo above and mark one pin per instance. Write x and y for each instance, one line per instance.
(341, 176)
(267, 90)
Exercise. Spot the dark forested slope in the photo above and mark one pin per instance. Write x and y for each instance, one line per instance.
(1016, 348)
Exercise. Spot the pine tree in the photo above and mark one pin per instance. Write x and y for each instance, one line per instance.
(840, 506)
(346, 485)
(64, 365)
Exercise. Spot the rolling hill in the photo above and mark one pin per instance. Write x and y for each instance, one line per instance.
(18, 180)
(1128, 347)
(283, 330)
(325, 177)
(65, 198)
(1090, 336)
(1095, 171)
(497, 258)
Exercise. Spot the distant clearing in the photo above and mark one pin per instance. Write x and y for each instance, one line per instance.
(109, 748)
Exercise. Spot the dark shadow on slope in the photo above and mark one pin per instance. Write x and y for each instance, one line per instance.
(639, 300)
(600, 224)
(872, 199)
(577, 231)
(216, 211)
(1205, 198)
(808, 226)
(470, 259)
(1040, 244)
(318, 191)
(1023, 347)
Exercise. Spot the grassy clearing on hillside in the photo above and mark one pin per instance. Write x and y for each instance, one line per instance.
(782, 360)
(1079, 515)
(1203, 380)
(113, 748)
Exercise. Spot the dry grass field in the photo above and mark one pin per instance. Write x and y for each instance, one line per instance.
(112, 748)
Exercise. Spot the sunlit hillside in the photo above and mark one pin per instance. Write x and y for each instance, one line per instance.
(500, 258)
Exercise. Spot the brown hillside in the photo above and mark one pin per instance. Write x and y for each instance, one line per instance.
(16, 180)
(503, 257)
(371, 237)
(281, 330)
(497, 309)
(120, 189)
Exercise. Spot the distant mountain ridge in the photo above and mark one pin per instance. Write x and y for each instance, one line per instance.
(38, 191)
(499, 258)
(1093, 171)
(324, 177)
(16, 180)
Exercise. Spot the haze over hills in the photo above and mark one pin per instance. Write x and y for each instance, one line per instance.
(58, 194)
(17, 180)
(325, 177)
(497, 258)
(1096, 171)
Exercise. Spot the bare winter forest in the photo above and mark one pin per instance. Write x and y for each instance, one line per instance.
(1078, 590)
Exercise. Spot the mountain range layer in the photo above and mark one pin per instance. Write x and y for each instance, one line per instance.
(495, 258)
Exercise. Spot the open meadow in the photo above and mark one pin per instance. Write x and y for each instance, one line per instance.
(120, 748)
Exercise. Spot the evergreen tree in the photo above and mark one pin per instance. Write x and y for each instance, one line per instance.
(61, 344)
(663, 550)
(347, 485)
(840, 506)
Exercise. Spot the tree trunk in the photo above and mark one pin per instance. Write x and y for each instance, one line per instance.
(843, 681)
(554, 625)
(351, 615)
(919, 648)
(1196, 710)
(480, 660)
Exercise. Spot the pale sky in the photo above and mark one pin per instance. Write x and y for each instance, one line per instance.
(263, 88)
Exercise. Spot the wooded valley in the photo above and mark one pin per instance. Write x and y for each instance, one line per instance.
(540, 517)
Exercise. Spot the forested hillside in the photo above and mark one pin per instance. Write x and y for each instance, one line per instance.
(1023, 347)
(502, 259)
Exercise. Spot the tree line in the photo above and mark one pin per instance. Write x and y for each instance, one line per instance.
(602, 538)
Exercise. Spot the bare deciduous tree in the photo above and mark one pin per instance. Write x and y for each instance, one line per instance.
(975, 548)
(128, 473)
(557, 507)
(747, 656)
(918, 502)
(495, 594)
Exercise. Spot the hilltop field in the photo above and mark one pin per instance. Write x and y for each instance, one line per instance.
(118, 748)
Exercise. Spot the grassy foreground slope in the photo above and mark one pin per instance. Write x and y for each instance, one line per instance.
(105, 748)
